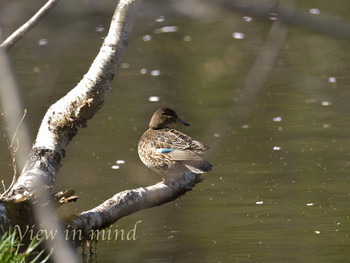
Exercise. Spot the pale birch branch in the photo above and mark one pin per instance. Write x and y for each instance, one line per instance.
(26, 27)
(131, 201)
(62, 120)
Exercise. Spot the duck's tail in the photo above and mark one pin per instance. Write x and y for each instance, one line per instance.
(199, 166)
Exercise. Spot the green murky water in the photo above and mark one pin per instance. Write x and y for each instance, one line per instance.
(280, 187)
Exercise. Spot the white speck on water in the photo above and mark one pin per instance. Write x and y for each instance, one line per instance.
(314, 11)
(166, 29)
(99, 28)
(216, 135)
(124, 65)
(238, 35)
(245, 126)
(120, 161)
(277, 119)
(115, 167)
(43, 42)
(276, 148)
(309, 204)
(147, 38)
(247, 18)
(332, 80)
(143, 71)
(259, 202)
(326, 103)
(316, 232)
(311, 100)
(153, 98)
(160, 19)
(155, 72)
(187, 38)
(326, 125)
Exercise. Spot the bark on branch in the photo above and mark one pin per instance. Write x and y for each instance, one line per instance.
(131, 201)
(62, 120)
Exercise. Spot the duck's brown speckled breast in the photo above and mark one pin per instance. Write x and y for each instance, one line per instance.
(150, 141)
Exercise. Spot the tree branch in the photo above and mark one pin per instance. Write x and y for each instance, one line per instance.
(62, 120)
(131, 201)
(20, 32)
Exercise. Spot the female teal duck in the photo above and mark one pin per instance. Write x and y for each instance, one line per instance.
(170, 152)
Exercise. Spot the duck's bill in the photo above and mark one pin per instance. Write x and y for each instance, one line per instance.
(178, 121)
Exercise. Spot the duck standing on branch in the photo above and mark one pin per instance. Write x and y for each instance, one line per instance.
(169, 152)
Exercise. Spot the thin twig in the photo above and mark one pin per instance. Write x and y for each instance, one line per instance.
(19, 124)
(26, 27)
(12, 150)
(3, 185)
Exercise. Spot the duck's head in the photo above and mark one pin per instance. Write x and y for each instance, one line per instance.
(163, 117)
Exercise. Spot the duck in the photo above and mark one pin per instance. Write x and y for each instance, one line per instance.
(171, 153)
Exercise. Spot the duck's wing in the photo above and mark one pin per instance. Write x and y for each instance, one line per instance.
(187, 152)
(181, 151)
(182, 141)
(179, 146)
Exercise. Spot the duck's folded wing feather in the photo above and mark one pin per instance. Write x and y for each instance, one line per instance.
(180, 155)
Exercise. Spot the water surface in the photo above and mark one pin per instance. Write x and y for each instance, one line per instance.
(280, 187)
